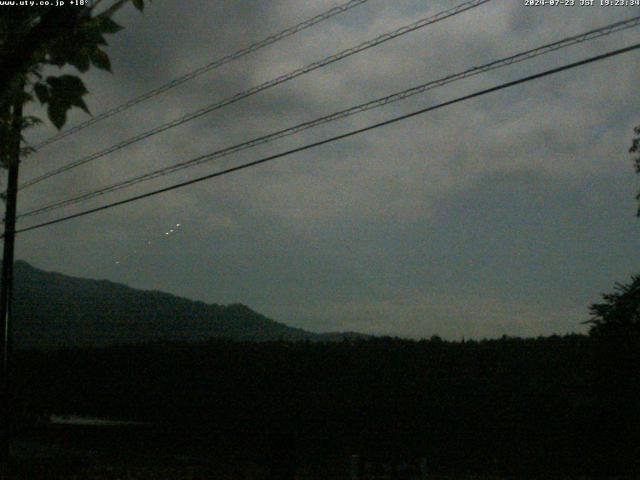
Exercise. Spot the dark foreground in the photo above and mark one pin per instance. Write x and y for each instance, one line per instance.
(66, 453)
(558, 407)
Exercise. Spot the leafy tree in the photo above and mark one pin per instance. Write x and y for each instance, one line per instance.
(33, 38)
(619, 314)
(618, 317)
(615, 335)
(615, 328)
(614, 426)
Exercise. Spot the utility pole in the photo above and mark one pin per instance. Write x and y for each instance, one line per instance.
(13, 161)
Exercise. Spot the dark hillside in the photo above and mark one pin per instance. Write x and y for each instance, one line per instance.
(55, 310)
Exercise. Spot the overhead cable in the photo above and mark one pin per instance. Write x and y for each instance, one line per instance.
(257, 89)
(270, 40)
(334, 138)
(395, 97)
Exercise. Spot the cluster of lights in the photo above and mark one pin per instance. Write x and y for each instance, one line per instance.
(149, 242)
(172, 230)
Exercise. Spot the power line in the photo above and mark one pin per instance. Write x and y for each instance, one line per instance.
(335, 138)
(264, 86)
(205, 68)
(519, 57)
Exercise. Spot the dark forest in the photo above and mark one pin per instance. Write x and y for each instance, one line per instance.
(507, 406)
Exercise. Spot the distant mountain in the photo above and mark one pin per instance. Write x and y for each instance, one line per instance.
(55, 310)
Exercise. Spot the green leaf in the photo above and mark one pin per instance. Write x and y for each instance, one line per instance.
(79, 102)
(139, 4)
(68, 85)
(92, 34)
(65, 92)
(80, 60)
(57, 113)
(42, 92)
(107, 25)
(57, 58)
(100, 59)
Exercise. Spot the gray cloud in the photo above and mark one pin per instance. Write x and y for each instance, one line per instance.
(505, 214)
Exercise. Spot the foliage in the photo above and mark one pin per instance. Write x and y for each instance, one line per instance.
(615, 376)
(33, 38)
(619, 314)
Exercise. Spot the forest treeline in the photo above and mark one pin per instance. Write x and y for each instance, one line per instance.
(552, 404)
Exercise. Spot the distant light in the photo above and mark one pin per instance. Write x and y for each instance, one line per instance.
(177, 224)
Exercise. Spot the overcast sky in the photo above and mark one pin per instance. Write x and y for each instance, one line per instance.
(507, 214)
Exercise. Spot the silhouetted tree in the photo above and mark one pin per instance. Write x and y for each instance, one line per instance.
(619, 315)
(41, 35)
(615, 332)
(34, 38)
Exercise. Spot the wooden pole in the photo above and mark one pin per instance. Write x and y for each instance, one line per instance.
(7, 279)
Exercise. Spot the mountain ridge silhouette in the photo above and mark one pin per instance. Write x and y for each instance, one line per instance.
(53, 310)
